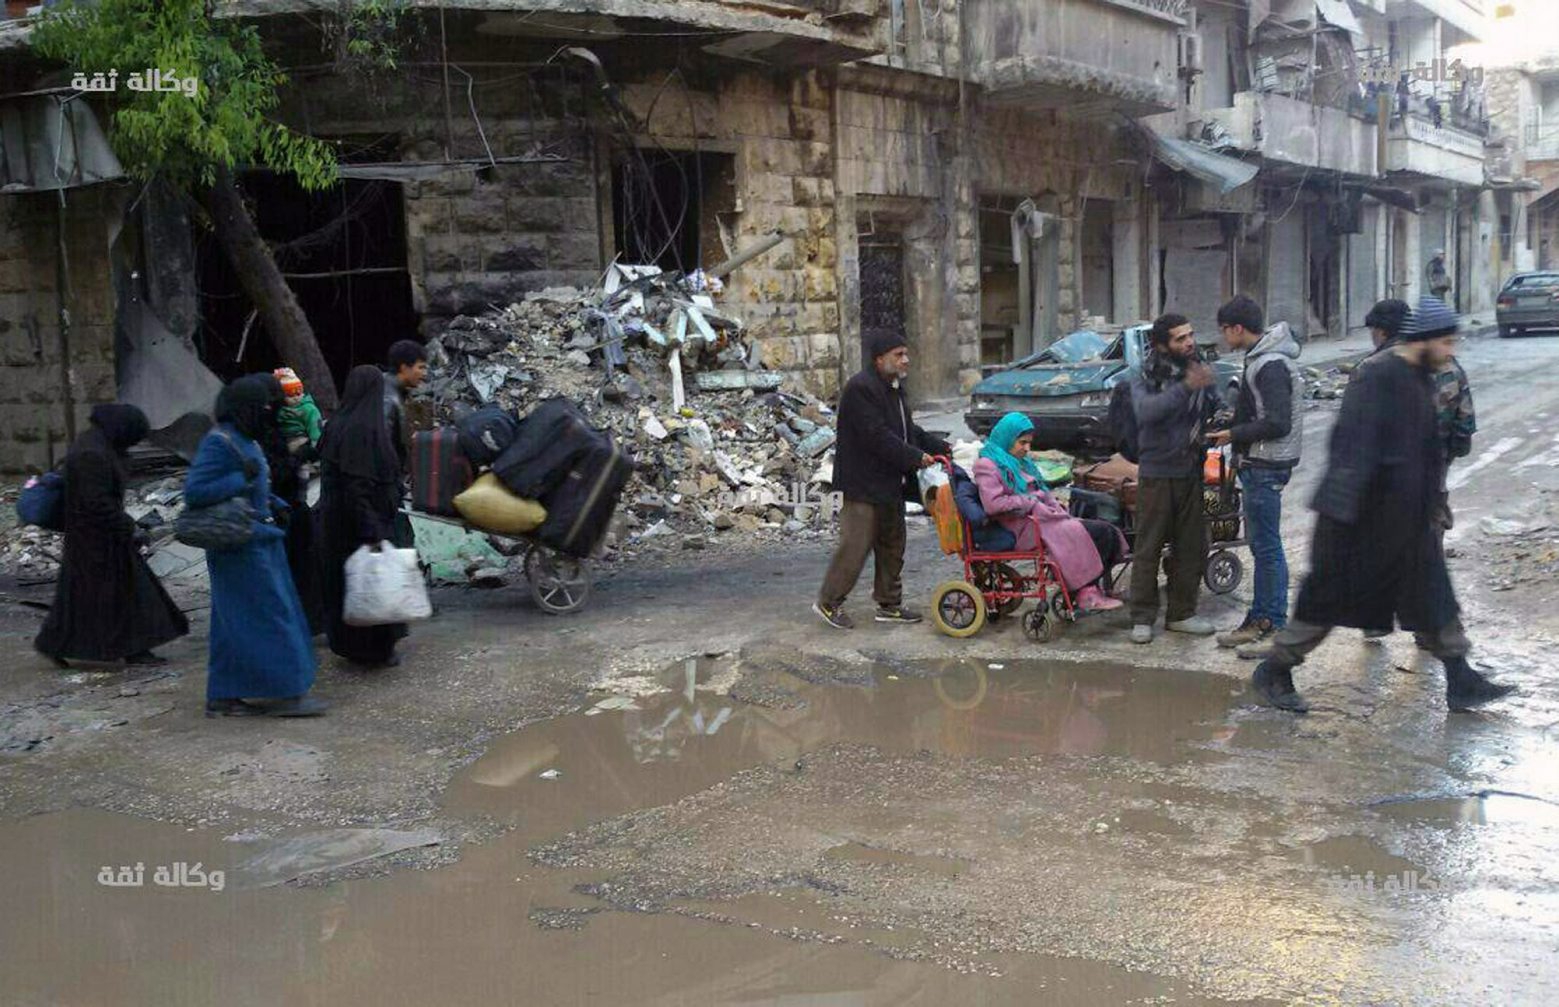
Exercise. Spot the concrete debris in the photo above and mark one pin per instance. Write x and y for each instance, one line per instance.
(651, 357)
(1327, 382)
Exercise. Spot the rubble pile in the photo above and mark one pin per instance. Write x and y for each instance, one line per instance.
(1327, 382)
(649, 358)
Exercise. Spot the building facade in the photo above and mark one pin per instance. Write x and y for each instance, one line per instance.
(986, 175)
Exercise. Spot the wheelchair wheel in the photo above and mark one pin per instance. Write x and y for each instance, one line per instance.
(958, 609)
(1041, 624)
(1224, 572)
(993, 577)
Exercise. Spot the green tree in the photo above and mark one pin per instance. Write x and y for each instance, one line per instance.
(198, 141)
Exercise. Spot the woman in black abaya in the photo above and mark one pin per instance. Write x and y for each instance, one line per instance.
(359, 499)
(108, 605)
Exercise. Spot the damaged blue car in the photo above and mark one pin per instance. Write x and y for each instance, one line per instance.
(1065, 388)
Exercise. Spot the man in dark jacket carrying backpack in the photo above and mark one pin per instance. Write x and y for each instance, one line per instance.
(879, 451)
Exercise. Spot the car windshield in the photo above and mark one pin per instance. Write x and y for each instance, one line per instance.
(1080, 347)
(1535, 280)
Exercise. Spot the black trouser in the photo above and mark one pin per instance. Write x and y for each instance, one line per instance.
(1106, 539)
(866, 528)
(1169, 513)
(1295, 641)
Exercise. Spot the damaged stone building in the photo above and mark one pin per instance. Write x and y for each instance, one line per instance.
(986, 175)
(1372, 148)
(967, 171)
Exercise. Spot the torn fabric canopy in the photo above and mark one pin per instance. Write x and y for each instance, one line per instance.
(1227, 173)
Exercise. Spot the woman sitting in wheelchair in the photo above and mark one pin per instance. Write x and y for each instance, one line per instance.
(1013, 494)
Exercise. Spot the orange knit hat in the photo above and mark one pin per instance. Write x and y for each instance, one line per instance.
(290, 385)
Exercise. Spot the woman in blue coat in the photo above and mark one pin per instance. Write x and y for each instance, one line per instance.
(261, 658)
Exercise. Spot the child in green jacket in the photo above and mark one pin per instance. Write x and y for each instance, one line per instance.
(298, 417)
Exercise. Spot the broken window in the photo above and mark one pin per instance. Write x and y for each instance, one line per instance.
(343, 253)
(666, 207)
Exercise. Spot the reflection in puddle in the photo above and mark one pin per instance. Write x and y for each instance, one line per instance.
(656, 749)
(1488, 808)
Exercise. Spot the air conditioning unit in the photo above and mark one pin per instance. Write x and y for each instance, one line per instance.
(1190, 55)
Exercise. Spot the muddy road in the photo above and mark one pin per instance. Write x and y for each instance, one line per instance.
(695, 793)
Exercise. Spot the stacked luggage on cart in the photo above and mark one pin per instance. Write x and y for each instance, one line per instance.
(549, 478)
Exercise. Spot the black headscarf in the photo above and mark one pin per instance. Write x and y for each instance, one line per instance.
(123, 425)
(250, 405)
(357, 438)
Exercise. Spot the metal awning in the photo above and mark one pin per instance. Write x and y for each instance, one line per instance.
(1338, 14)
(1227, 173)
(52, 142)
(1399, 198)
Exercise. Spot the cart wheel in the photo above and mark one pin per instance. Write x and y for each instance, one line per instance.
(958, 609)
(1041, 624)
(560, 584)
(993, 577)
(1224, 571)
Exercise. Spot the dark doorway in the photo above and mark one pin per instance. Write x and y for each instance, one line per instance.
(1098, 274)
(666, 207)
(882, 286)
(343, 251)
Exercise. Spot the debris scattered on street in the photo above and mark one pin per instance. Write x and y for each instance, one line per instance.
(649, 357)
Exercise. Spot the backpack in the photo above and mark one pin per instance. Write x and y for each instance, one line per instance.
(1122, 421)
(42, 502)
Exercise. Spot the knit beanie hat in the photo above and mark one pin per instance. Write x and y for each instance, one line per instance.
(1430, 319)
(1388, 315)
(880, 341)
(290, 384)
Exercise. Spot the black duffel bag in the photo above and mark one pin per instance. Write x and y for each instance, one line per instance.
(486, 433)
(580, 506)
(550, 438)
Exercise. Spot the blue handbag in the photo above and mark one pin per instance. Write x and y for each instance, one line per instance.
(227, 524)
(42, 502)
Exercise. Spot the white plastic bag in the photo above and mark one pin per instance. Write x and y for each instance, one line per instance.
(384, 585)
(931, 478)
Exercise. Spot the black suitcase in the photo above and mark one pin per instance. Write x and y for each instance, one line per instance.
(486, 433)
(549, 439)
(580, 507)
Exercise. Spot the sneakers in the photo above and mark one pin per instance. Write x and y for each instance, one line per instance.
(1249, 631)
(1091, 599)
(1274, 686)
(897, 613)
(1142, 633)
(1194, 626)
(834, 615)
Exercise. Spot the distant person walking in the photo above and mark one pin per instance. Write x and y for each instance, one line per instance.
(261, 659)
(359, 503)
(1376, 558)
(1267, 435)
(1174, 400)
(108, 605)
(1436, 280)
(879, 451)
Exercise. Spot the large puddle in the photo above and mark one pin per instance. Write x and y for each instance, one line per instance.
(631, 753)
(1120, 748)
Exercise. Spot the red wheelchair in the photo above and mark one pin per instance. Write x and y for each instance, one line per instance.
(995, 585)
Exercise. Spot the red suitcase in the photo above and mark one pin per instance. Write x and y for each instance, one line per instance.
(439, 471)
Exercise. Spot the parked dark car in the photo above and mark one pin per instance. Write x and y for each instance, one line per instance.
(1529, 301)
(1065, 389)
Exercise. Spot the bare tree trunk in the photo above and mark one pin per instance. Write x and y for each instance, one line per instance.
(262, 280)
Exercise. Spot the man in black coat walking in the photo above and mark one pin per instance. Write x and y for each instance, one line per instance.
(1376, 556)
(880, 449)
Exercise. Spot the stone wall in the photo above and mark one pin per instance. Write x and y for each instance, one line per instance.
(33, 424)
